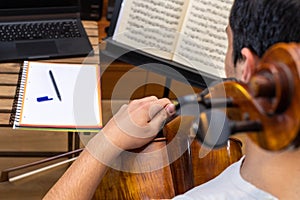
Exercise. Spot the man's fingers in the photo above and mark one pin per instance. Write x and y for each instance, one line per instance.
(135, 119)
(161, 104)
(160, 117)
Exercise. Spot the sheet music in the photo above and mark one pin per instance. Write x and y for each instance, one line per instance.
(151, 25)
(203, 41)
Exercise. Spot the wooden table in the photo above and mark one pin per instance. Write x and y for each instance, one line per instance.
(9, 76)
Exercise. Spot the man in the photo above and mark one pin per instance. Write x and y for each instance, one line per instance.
(254, 26)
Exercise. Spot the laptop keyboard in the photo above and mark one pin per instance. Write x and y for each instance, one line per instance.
(40, 30)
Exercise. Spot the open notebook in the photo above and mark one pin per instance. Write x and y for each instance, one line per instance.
(68, 98)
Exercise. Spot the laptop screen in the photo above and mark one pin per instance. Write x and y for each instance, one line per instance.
(13, 7)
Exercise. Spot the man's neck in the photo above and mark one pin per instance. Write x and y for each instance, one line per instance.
(273, 172)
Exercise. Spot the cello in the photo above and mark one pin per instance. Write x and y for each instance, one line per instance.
(270, 97)
(266, 109)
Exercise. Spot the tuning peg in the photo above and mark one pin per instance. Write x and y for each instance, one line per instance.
(205, 102)
(213, 128)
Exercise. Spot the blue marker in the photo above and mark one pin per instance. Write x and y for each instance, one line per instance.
(45, 98)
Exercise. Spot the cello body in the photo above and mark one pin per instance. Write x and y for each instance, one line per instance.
(182, 170)
(271, 97)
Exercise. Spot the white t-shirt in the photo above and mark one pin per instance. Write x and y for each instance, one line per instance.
(228, 185)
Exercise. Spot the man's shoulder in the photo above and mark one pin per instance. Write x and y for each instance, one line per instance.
(221, 187)
(229, 185)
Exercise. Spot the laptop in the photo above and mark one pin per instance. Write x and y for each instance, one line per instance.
(41, 29)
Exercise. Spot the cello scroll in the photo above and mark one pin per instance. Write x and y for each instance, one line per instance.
(271, 100)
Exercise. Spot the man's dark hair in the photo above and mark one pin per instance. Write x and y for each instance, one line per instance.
(258, 24)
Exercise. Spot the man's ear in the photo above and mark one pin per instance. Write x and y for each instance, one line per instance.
(248, 65)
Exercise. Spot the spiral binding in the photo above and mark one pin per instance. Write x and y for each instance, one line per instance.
(15, 98)
(19, 95)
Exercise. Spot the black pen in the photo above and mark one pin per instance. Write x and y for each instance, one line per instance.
(55, 86)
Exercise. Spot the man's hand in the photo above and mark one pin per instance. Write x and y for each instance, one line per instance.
(137, 123)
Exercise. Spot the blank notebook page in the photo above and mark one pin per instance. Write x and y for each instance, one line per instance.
(79, 87)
